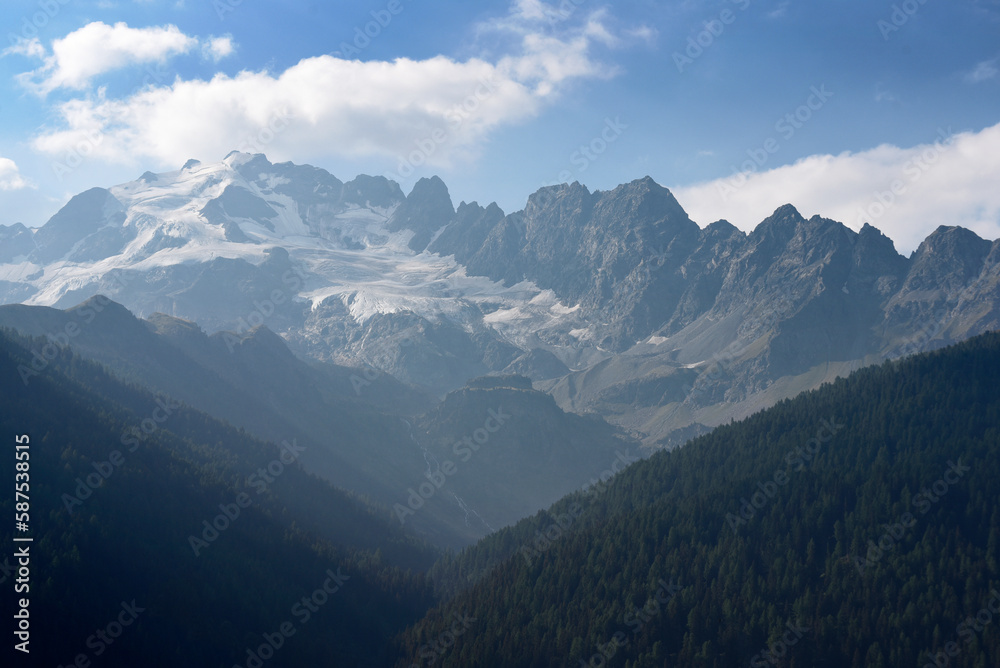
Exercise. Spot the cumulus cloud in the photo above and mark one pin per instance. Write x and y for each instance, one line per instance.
(26, 47)
(431, 111)
(905, 192)
(97, 48)
(217, 48)
(10, 176)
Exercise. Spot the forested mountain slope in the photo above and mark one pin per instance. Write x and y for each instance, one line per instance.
(855, 525)
(208, 537)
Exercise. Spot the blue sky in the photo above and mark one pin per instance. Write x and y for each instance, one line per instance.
(861, 111)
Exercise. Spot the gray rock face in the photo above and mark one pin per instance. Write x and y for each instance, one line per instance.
(467, 231)
(426, 209)
(594, 249)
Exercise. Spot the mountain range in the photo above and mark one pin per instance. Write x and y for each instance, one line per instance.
(614, 302)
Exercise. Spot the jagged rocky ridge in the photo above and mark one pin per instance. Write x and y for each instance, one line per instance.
(612, 301)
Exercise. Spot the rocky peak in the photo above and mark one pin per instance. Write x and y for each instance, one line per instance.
(249, 165)
(373, 191)
(642, 201)
(875, 252)
(950, 255)
(778, 228)
(468, 231)
(722, 229)
(558, 201)
(425, 210)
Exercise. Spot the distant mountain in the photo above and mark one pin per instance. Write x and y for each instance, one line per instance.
(497, 448)
(853, 526)
(614, 302)
(359, 429)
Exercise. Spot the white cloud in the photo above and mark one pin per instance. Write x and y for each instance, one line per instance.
(983, 71)
(327, 106)
(98, 48)
(948, 182)
(531, 10)
(534, 17)
(10, 176)
(598, 31)
(217, 48)
(26, 47)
